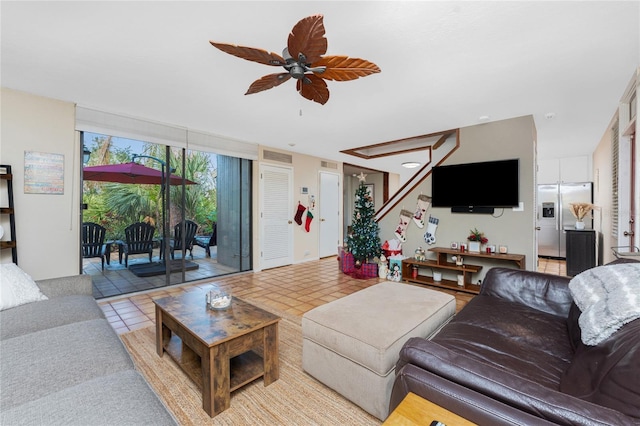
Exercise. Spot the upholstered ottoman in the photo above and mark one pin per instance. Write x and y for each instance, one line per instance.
(352, 344)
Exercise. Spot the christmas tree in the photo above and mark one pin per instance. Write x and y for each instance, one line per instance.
(363, 242)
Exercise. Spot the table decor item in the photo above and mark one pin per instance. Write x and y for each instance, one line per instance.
(218, 299)
(476, 240)
(580, 211)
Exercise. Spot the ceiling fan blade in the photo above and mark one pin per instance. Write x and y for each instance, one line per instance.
(267, 82)
(316, 90)
(307, 37)
(344, 68)
(250, 53)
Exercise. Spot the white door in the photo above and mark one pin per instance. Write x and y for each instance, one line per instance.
(276, 213)
(329, 207)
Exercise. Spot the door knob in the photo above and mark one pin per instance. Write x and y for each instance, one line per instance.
(321, 220)
(290, 222)
(628, 233)
(537, 228)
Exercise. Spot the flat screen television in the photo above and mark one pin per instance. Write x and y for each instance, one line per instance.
(476, 187)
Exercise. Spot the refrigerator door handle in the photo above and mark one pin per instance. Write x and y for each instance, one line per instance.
(559, 222)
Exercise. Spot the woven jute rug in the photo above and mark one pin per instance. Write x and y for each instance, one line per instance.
(295, 399)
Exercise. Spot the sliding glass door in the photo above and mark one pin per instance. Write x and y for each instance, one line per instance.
(199, 207)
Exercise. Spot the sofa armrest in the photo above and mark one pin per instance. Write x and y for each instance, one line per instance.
(465, 402)
(504, 387)
(66, 286)
(543, 292)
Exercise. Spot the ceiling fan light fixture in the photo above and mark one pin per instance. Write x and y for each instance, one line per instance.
(297, 71)
(410, 164)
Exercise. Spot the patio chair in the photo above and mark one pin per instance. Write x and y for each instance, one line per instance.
(207, 241)
(93, 242)
(190, 232)
(138, 240)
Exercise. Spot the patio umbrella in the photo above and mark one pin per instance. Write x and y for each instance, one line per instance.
(134, 173)
(129, 173)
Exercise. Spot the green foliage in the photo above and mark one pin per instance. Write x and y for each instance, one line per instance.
(364, 241)
(115, 206)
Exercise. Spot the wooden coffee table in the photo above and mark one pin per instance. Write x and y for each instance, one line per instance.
(220, 350)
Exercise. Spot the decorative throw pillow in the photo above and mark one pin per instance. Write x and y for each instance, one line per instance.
(609, 297)
(17, 287)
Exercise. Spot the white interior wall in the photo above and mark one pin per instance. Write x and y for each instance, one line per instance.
(48, 238)
(505, 139)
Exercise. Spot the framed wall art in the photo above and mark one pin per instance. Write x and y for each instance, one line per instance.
(43, 173)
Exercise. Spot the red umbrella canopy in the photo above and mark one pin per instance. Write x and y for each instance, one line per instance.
(129, 173)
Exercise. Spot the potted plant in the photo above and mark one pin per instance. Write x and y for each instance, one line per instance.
(476, 240)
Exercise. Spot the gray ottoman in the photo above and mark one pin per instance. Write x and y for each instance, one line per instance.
(352, 344)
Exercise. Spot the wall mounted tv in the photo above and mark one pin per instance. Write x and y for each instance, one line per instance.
(476, 187)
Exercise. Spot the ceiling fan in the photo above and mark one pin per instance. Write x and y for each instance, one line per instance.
(302, 59)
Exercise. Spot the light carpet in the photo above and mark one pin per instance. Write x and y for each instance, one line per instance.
(295, 399)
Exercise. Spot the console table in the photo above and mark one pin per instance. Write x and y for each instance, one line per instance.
(467, 270)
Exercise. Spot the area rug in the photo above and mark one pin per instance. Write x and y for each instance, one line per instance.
(295, 399)
(159, 268)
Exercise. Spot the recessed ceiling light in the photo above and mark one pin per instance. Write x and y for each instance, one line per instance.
(410, 164)
(484, 118)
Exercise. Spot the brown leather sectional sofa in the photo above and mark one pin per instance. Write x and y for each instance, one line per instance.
(513, 355)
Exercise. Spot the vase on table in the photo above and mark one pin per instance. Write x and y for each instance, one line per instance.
(579, 224)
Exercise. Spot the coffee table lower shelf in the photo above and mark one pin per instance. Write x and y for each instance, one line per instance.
(245, 367)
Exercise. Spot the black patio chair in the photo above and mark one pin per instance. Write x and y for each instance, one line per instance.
(207, 241)
(138, 240)
(93, 242)
(190, 232)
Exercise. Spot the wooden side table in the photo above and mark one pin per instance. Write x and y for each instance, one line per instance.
(416, 411)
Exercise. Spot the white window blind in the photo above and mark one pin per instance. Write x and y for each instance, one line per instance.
(107, 123)
(201, 141)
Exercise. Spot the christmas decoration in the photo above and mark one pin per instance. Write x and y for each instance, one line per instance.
(383, 267)
(424, 202)
(307, 223)
(363, 242)
(401, 229)
(298, 217)
(476, 235)
(476, 240)
(430, 235)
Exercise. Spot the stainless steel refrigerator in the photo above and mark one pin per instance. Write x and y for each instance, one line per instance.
(553, 215)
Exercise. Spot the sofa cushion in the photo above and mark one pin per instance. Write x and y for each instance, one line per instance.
(46, 314)
(121, 398)
(608, 374)
(513, 337)
(17, 287)
(44, 362)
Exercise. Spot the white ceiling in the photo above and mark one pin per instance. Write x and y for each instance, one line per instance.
(444, 65)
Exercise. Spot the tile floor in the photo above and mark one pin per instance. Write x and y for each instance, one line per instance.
(293, 289)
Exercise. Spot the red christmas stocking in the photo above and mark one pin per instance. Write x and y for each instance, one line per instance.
(298, 217)
(307, 223)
